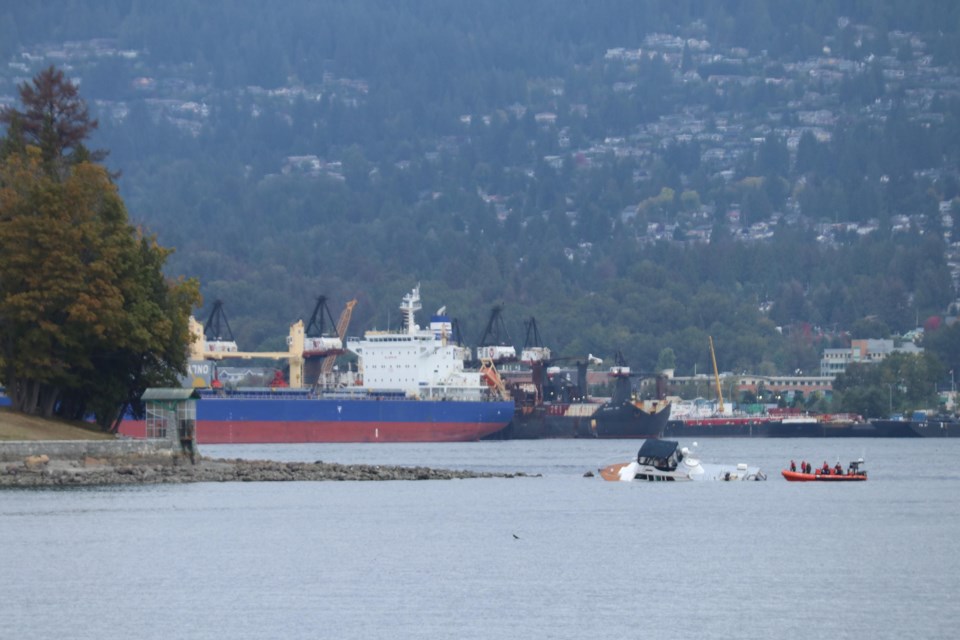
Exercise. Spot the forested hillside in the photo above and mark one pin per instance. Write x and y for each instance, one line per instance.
(635, 175)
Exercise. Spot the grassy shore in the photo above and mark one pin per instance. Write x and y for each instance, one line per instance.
(61, 470)
(17, 426)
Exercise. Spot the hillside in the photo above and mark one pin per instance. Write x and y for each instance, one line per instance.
(636, 176)
(17, 426)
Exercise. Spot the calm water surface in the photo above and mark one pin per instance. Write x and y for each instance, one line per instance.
(556, 556)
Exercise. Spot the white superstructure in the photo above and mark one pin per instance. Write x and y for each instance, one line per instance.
(417, 362)
(663, 460)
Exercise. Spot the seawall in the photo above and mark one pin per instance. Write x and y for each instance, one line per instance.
(18, 450)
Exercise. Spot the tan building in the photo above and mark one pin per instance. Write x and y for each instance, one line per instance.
(734, 385)
(835, 361)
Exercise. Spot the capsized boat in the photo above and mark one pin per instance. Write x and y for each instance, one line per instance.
(664, 460)
(854, 473)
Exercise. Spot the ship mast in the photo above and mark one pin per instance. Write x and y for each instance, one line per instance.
(716, 376)
(409, 307)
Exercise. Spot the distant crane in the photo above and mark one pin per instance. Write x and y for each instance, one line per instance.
(623, 389)
(214, 341)
(456, 333)
(342, 325)
(493, 344)
(553, 384)
(716, 376)
(216, 330)
(316, 326)
(533, 347)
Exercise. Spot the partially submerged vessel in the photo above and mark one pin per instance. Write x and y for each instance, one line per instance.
(410, 386)
(665, 461)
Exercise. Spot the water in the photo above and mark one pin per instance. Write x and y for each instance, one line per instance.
(557, 556)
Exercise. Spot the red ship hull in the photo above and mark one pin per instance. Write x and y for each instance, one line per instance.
(273, 432)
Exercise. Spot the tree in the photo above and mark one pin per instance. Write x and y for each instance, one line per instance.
(87, 319)
(55, 120)
(667, 360)
(944, 342)
(900, 382)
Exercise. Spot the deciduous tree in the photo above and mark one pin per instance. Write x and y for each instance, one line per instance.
(87, 319)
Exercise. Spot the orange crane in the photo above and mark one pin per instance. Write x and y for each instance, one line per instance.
(716, 376)
(342, 325)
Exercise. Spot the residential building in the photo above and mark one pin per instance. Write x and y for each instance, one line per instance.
(835, 361)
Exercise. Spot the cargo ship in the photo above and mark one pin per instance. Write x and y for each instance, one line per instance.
(786, 423)
(699, 419)
(919, 425)
(409, 386)
(718, 426)
(554, 404)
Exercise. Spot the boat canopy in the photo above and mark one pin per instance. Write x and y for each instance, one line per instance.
(657, 449)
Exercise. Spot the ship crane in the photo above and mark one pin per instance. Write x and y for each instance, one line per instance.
(621, 373)
(621, 369)
(456, 334)
(317, 340)
(533, 347)
(494, 343)
(219, 349)
(716, 376)
(321, 343)
(561, 389)
(342, 325)
(216, 330)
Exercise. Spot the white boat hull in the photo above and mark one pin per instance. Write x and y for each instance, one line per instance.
(689, 470)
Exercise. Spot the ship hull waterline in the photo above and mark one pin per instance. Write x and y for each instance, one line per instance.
(607, 422)
(780, 429)
(304, 421)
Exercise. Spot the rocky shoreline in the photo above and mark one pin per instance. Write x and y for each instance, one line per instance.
(41, 471)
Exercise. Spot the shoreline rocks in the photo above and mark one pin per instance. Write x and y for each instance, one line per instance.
(131, 471)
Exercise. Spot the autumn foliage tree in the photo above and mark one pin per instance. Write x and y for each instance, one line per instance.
(87, 319)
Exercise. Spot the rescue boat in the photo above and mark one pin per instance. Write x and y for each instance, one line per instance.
(854, 474)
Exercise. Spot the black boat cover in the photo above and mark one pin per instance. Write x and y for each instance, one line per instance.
(657, 449)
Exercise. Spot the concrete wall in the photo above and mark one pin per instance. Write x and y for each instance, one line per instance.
(11, 451)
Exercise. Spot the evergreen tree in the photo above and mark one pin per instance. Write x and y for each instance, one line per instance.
(55, 119)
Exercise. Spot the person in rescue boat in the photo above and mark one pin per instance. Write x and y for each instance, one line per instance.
(793, 466)
(825, 469)
(838, 469)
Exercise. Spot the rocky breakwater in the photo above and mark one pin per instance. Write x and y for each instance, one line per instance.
(42, 471)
